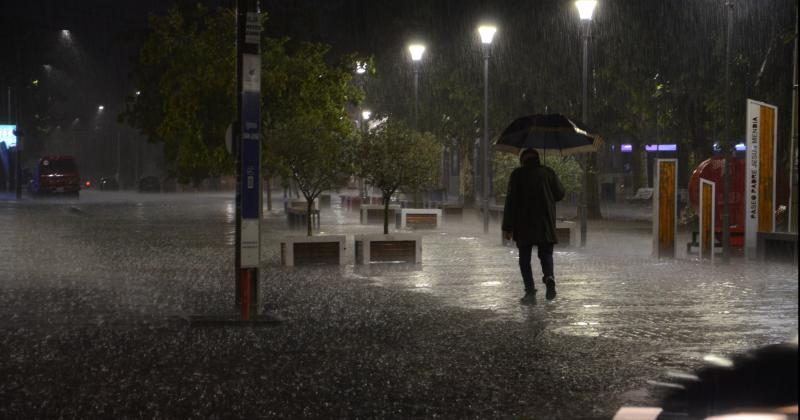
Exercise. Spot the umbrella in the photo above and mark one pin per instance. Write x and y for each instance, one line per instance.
(547, 132)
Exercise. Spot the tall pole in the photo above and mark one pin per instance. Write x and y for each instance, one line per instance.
(724, 142)
(793, 147)
(585, 118)
(416, 95)
(486, 138)
(248, 155)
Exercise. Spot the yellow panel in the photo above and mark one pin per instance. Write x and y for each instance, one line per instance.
(707, 234)
(766, 176)
(666, 209)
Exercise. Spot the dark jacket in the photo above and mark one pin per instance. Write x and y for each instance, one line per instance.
(530, 210)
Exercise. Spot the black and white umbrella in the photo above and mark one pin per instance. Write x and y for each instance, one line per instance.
(545, 132)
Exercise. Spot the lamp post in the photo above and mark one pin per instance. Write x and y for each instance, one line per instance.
(585, 10)
(724, 144)
(487, 34)
(361, 70)
(416, 51)
(365, 115)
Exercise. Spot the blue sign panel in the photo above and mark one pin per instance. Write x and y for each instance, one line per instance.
(7, 135)
(251, 155)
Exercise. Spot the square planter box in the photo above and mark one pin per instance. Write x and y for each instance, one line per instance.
(299, 204)
(297, 218)
(313, 250)
(420, 218)
(566, 232)
(397, 247)
(452, 212)
(372, 214)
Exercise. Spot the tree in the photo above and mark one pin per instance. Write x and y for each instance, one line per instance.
(394, 156)
(311, 140)
(187, 69)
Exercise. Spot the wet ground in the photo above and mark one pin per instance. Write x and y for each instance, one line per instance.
(96, 294)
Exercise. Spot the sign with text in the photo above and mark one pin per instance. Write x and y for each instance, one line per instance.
(665, 209)
(250, 184)
(761, 144)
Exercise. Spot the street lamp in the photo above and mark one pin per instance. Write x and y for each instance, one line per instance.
(585, 10)
(416, 51)
(365, 114)
(487, 34)
(100, 108)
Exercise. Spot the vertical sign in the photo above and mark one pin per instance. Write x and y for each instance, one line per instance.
(248, 151)
(665, 209)
(707, 216)
(762, 134)
(250, 188)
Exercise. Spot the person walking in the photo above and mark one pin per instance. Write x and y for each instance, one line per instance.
(529, 218)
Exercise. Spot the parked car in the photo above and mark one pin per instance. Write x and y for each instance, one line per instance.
(149, 184)
(108, 184)
(56, 175)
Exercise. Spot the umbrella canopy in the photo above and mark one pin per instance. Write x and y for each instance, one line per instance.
(547, 132)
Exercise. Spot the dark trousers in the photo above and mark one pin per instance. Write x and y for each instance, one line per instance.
(545, 253)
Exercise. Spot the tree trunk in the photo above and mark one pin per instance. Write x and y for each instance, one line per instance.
(386, 198)
(593, 196)
(310, 207)
(269, 194)
(636, 166)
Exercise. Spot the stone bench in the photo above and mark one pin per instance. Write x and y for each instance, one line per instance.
(372, 214)
(451, 212)
(567, 234)
(420, 218)
(398, 247)
(313, 250)
(297, 218)
(776, 246)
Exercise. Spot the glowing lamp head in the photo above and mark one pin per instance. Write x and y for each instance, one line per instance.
(361, 67)
(586, 8)
(487, 33)
(365, 114)
(416, 51)
(100, 107)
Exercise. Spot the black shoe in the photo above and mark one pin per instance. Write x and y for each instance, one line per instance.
(530, 296)
(550, 282)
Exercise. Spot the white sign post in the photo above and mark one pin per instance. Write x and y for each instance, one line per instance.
(759, 193)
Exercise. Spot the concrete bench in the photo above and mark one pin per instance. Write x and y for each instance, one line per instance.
(567, 234)
(372, 214)
(777, 246)
(398, 247)
(313, 250)
(420, 218)
(297, 218)
(451, 212)
(642, 195)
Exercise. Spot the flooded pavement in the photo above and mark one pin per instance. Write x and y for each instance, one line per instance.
(96, 293)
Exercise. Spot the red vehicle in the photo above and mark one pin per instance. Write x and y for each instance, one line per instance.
(56, 175)
(711, 169)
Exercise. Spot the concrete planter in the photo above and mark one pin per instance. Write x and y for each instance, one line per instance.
(566, 232)
(397, 247)
(313, 250)
(420, 218)
(451, 212)
(372, 214)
